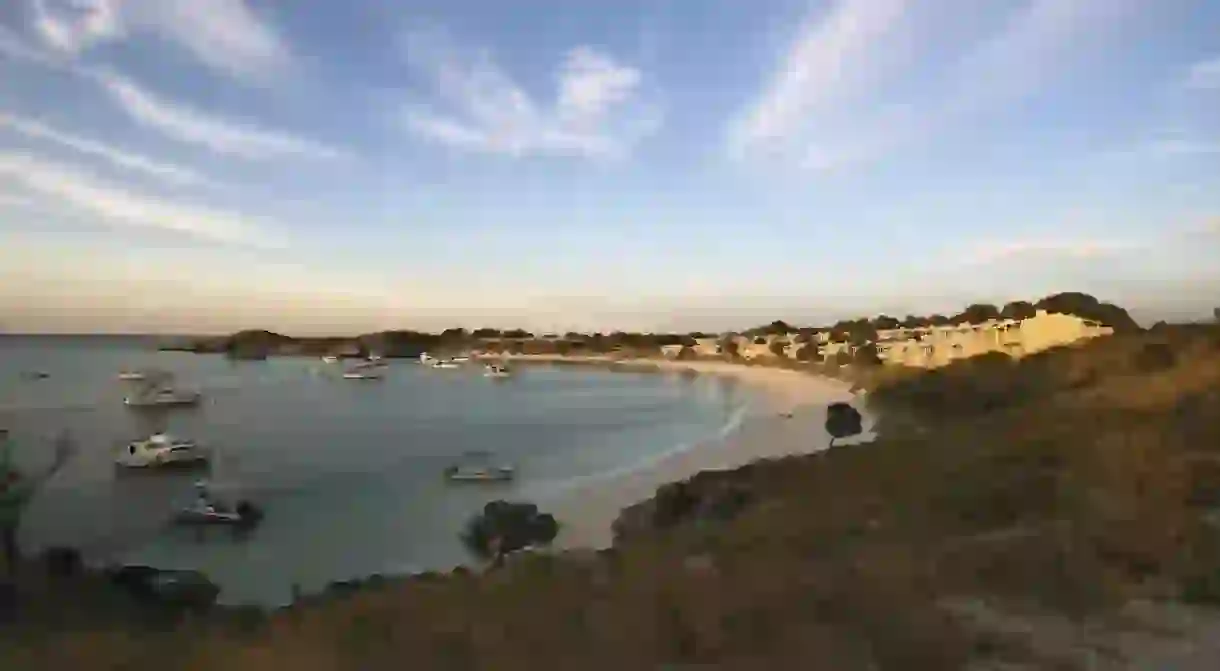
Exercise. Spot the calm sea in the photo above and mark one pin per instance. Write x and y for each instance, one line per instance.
(348, 471)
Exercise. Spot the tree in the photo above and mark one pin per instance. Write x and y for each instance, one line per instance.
(1216, 315)
(517, 333)
(843, 421)
(842, 357)
(939, 320)
(453, 334)
(505, 527)
(885, 323)
(977, 313)
(760, 340)
(808, 352)
(1088, 307)
(728, 347)
(778, 347)
(485, 333)
(1018, 310)
(866, 355)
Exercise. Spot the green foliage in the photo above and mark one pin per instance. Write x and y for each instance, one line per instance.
(505, 527)
(808, 352)
(843, 421)
(866, 355)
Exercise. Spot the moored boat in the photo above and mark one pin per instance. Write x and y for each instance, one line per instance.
(161, 450)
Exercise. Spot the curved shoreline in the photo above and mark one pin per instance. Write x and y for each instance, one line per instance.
(793, 423)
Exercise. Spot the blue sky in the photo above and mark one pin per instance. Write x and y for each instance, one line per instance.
(322, 166)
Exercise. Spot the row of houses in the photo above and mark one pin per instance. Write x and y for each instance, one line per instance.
(926, 347)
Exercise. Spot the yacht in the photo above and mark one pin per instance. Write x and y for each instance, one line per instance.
(161, 450)
(496, 370)
(364, 371)
(476, 467)
(162, 396)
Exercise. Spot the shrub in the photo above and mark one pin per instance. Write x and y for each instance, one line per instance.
(843, 421)
(505, 527)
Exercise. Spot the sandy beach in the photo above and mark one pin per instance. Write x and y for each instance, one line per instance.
(587, 512)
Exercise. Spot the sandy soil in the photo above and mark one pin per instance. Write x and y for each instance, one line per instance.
(791, 422)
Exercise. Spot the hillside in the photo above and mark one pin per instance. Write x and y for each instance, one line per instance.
(1072, 483)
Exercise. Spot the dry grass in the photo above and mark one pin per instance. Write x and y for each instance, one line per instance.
(1076, 480)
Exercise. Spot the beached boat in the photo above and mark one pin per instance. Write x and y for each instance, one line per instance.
(163, 397)
(161, 450)
(477, 467)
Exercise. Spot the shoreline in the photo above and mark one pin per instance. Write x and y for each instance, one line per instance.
(791, 422)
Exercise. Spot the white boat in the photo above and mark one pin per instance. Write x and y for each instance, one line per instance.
(364, 371)
(459, 359)
(426, 358)
(162, 396)
(445, 364)
(161, 450)
(475, 468)
(132, 375)
(496, 370)
(330, 358)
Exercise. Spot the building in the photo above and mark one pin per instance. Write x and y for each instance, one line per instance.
(934, 346)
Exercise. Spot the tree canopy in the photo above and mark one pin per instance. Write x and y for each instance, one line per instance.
(843, 421)
(505, 527)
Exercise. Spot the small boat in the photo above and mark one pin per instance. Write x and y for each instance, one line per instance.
(35, 375)
(163, 397)
(161, 450)
(426, 358)
(459, 359)
(132, 376)
(439, 363)
(364, 371)
(330, 358)
(477, 469)
(207, 511)
(496, 371)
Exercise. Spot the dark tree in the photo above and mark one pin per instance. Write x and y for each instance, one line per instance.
(842, 357)
(885, 323)
(453, 334)
(1018, 310)
(843, 421)
(977, 313)
(729, 347)
(866, 355)
(760, 340)
(808, 353)
(777, 348)
(1088, 307)
(505, 527)
(517, 333)
(1216, 315)
(939, 320)
(485, 333)
(913, 322)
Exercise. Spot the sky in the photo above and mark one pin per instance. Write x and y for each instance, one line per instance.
(334, 167)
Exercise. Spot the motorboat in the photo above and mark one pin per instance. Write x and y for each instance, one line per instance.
(439, 363)
(459, 359)
(496, 371)
(475, 467)
(206, 510)
(132, 376)
(426, 358)
(364, 371)
(161, 450)
(163, 397)
(330, 358)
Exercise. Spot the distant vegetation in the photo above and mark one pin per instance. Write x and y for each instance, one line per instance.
(859, 332)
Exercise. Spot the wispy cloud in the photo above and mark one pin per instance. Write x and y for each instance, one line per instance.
(225, 35)
(13, 200)
(1204, 75)
(1064, 248)
(191, 126)
(827, 104)
(117, 157)
(596, 113)
(114, 205)
(830, 60)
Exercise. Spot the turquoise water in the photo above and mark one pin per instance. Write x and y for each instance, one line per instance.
(348, 471)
